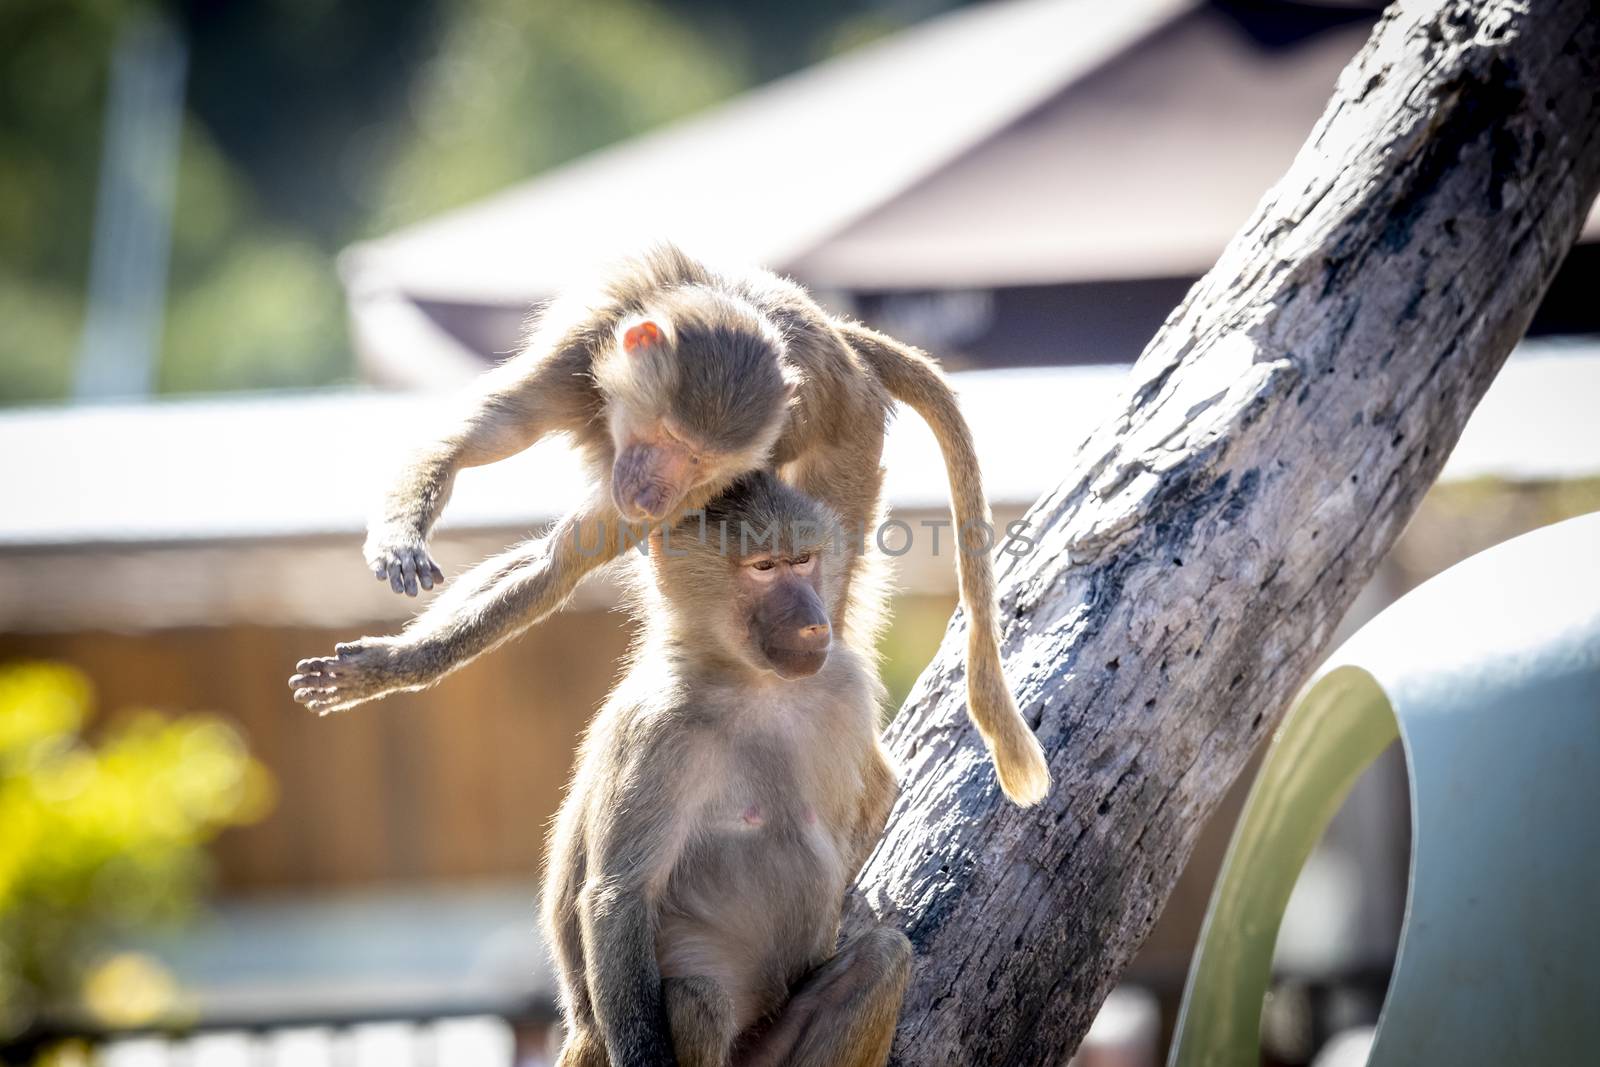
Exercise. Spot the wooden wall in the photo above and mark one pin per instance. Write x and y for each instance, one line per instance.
(456, 782)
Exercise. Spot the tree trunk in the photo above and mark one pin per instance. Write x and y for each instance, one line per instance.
(1274, 439)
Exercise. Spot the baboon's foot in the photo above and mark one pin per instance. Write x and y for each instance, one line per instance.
(357, 672)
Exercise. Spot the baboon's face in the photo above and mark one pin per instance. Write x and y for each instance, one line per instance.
(690, 403)
(657, 465)
(786, 622)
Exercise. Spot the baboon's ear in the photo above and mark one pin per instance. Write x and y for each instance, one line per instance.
(638, 334)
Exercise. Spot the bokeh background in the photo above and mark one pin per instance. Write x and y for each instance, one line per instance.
(302, 127)
(246, 248)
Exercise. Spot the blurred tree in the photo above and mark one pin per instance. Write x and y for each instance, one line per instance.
(252, 302)
(780, 36)
(102, 838)
(49, 149)
(515, 87)
(311, 123)
(295, 94)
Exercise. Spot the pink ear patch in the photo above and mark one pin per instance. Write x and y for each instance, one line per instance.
(640, 334)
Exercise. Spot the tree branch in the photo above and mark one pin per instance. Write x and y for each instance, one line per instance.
(1276, 436)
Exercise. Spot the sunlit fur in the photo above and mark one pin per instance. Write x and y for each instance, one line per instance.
(771, 381)
(685, 596)
(717, 814)
(734, 404)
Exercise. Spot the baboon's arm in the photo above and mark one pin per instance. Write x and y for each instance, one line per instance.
(490, 604)
(545, 389)
(637, 828)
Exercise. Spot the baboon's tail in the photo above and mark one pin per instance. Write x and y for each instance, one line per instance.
(915, 380)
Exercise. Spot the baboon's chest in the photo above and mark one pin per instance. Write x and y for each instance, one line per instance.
(778, 824)
(754, 899)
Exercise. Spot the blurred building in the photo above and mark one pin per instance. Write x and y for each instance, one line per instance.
(1015, 183)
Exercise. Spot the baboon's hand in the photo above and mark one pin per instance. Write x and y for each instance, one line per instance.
(357, 671)
(400, 557)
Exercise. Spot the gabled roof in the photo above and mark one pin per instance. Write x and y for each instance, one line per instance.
(766, 176)
(1143, 168)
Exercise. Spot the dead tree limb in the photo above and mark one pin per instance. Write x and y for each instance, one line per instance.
(1276, 436)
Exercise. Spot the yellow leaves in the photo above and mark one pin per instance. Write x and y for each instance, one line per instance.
(103, 833)
(40, 702)
(74, 1053)
(129, 989)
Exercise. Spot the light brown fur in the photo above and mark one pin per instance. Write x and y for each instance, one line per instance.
(698, 866)
(765, 379)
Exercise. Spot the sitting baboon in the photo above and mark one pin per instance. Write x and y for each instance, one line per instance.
(725, 798)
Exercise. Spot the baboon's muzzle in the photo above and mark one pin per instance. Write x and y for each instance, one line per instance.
(792, 630)
(646, 482)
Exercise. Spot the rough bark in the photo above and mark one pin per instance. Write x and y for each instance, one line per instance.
(1276, 436)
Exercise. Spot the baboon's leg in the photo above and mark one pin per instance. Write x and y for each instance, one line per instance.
(844, 1013)
(583, 1048)
(701, 1015)
(488, 605)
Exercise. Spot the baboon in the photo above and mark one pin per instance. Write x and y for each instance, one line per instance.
(673, 380)
(725, 798)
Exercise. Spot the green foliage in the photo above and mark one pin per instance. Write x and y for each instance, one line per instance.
(518, 86)
(51, 86)
(254, 304)
(42, 323)
(251, 303)
(906, 646)
(101, 837)
(254, 299)
(49, 149)
(310, 125)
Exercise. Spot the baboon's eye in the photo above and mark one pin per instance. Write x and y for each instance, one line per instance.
(763, 564)
(804, 563)
(676, 438)
(802, 559)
